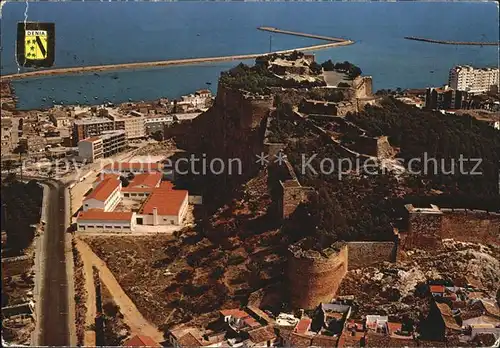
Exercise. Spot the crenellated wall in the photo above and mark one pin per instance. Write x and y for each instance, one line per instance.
(250, 109)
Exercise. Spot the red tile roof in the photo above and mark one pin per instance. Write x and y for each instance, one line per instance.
(251, 321)
(98, 214)
(437, 288)
(236, 313)
(297, 340)
(104, 189)
(167, 201)
(189, 340)
(141, 341)
(324, 341)
(262, 334)
(129, 189)
(303, 325)
(166, 185)
(104, 176)
(394, 327)
(146, 179)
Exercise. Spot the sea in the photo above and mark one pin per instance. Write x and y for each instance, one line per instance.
(97, 33)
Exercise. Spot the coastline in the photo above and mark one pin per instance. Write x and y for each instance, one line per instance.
(333, 42)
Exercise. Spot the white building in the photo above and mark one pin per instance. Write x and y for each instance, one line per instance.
(106, 195)
(158, 119)
(198, 100)
(164, 206)
(142, 185)
(91, 149)
(473, 80)
(98, 220)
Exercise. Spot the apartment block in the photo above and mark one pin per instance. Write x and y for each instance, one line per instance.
(445, 98)
(107, 144)
(155, 123)
(133, 123)
(91, 149)
(473, 80)
(90, 127)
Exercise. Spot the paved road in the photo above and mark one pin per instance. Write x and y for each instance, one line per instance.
(54, 296)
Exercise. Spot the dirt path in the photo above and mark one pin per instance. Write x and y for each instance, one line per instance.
(89, 338)
(132, 317)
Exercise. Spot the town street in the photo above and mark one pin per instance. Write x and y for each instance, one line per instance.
(54, 293)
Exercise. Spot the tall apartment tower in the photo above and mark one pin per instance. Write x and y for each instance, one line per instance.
(473, 80)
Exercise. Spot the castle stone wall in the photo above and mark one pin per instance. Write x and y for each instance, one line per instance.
(313, 280)
(363, 86)
(471, 226)
(251, 110)
(424, 228)
(364, 254)
(293, 195)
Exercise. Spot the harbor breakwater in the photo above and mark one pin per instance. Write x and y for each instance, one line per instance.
(333, 42)
(445, 42)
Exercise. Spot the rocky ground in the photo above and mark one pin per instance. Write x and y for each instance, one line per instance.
(165, 147)
(395, 289)
(188, 277)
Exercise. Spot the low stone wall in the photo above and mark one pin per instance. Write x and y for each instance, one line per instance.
(363, 254)
(471, 226)
(345, 107)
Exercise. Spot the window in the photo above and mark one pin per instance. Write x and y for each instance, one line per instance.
(171, 222)
(98, 226)
(109, 227)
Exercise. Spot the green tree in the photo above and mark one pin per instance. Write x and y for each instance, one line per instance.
(328, 65)
(316, 68)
